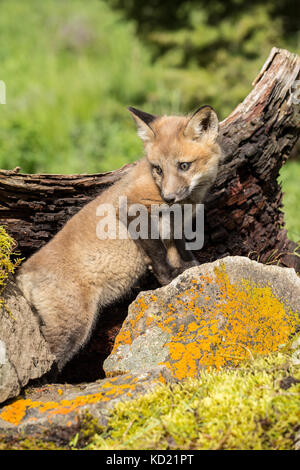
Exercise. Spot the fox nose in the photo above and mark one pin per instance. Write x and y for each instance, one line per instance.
(169, 197)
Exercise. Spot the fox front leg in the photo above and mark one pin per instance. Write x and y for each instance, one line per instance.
(156, 258)
(166, 258)
(188, 259)
(161, 256)
(154, 252)
(178, 256)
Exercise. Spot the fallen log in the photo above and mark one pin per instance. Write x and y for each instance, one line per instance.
(243, 209)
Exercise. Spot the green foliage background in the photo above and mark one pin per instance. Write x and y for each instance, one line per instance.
(71, 68)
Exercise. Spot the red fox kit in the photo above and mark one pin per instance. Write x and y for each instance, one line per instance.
(184, 155)
(183, 152)
(77, 273)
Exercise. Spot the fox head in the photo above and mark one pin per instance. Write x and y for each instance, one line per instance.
(182, 151)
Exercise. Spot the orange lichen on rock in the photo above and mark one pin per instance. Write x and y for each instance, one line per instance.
(213, 322)
(127, 333)
(124, 337)
(16, 411)
(243, 321)
(27, 410)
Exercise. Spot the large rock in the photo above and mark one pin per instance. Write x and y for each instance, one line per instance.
(24, 353)
(59, 410)
(213, 315)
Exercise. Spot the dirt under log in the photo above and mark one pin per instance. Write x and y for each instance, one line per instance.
(243, 212)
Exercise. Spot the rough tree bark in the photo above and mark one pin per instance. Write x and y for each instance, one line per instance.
(243, 209)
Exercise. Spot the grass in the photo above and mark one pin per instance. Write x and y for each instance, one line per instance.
(247, 408)
(66, 88)
(290, 177)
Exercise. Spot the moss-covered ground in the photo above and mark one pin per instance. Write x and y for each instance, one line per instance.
(254, 407)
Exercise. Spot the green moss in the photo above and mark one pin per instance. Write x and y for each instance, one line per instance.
(72, 437)
(20, 443)
(7, 246)
(244, 408)
(89, 427)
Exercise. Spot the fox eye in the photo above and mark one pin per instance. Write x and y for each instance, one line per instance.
(157, 168)
(184, 166)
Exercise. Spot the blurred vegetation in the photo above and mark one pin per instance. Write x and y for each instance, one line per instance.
(72, 67)
(211, 51)
(290, 177)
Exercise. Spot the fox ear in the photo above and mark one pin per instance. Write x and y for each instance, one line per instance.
(143, 121)
(204, 122)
